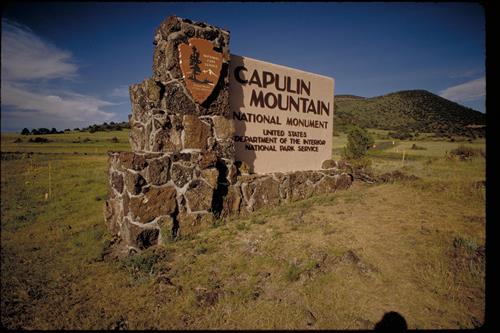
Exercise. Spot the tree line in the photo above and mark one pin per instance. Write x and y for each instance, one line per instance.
(104, 127)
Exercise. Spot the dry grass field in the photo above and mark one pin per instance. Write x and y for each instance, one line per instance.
(337, 261)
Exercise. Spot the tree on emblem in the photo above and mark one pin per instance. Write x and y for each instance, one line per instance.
(194, 62)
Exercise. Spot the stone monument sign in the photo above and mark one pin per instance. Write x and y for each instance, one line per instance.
(283, 116)
(183, 171)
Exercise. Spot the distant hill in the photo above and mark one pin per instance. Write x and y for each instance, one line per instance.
(412, 110)
(348, 97)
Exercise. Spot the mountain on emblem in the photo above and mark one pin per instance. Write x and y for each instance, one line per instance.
(209, 71)
(200, 66)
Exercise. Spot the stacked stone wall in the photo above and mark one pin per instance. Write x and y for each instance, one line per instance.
(181, 174)
(153, 196)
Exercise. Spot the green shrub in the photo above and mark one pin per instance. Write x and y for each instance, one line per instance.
(242, 226)
(201, 249)
(415, 147)
(39, 139)
(257, 220)
(401, 135)
(466, 153)
(144, 262)
(358, 143)
(363, 163)
(292, 272)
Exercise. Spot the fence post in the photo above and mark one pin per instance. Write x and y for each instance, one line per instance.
(50, 180)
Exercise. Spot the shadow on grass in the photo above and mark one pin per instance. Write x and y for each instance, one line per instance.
(391, 322)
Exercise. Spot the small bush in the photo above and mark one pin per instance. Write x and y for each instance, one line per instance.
(466, 153)
(358, 143)
(468, 257)
(257, 220)
(114, 139)
(362, 164)
(241, 226)
(100, 197)
(201, 249)
(468, 244)
(292, 272)
(145, 261)
(396, 175)
(218, 222)
(39, 140)
(415, 147)
(401, 135)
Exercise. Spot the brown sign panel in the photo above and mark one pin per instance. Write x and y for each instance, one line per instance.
(201, 67)
(283, 116)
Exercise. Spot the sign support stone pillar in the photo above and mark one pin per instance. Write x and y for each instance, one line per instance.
(174, 180)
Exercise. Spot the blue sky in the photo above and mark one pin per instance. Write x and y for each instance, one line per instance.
(69, 65)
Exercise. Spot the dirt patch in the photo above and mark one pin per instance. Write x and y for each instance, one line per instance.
(390, 177)
(351, 258)
(206, 297)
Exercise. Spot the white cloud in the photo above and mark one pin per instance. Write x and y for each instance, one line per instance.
(28, 64)
(121, 91)
(468, 91)
(26, 56)
(66, 105)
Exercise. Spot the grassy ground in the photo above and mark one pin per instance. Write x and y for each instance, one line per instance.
(334, 261)
(71, 142)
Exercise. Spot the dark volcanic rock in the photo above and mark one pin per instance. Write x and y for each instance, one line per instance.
(159, 171)
(207, 160)
(266, 194)
(181, 174)
(176, 100)
(130, 160)
(137, 137)
(344, 181)
(113, 214)
(199, 195)
(167, 140)
(117, 181)
(134, 182)
(328, 164)
(232, 201)
(156, 202)
(196, 133)
(224, 127)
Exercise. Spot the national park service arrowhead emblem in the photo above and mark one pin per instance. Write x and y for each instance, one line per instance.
(200, 66)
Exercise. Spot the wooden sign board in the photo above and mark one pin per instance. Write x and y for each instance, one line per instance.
(283, 116)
